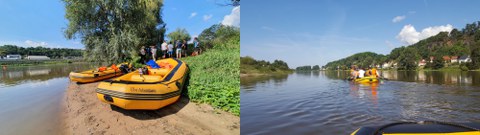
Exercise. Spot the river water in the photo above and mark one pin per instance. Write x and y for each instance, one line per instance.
(324, 103)
(30, 98)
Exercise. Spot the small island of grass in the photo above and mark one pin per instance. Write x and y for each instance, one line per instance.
(249, 66)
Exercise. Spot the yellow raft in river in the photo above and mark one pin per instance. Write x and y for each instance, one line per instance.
(150, 91)
(367, 80)
(421, 128)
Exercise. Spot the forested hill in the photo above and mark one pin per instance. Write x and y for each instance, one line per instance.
(53, 53)
(456, 43)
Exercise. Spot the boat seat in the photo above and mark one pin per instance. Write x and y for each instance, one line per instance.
(146, 78)
(159, 72)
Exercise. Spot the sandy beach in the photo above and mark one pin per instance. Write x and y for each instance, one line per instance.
(83, 113)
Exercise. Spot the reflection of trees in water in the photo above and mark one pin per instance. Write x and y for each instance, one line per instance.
(16, 75)
(337, 74)
(304, 73)
(436, 77)
(250, 81)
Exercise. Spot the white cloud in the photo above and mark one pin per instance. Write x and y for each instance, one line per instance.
(193, 15)
(207, 17)
(233, 19)
(267, 28)
(35, 44)
(409, 35)
(398, 18)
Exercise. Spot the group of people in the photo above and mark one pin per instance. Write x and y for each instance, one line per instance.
(356, 72)
(167, 50)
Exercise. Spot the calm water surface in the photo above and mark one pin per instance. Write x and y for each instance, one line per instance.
(323, 103)
(30, 98)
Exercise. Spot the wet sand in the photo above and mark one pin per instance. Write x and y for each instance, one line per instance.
(83, 113)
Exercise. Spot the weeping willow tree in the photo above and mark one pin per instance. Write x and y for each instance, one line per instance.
(114, 30)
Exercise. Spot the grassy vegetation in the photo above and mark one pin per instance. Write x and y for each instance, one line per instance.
(214, 76)
(17, 63)
(251, 66)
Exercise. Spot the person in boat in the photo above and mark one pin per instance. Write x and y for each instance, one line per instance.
(368, 72)
(361, 73)
(142, 54)
(353, 72)
(164, 48)
(374, 72)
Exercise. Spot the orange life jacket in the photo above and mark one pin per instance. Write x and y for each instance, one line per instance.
(374, 72)
(101, 69)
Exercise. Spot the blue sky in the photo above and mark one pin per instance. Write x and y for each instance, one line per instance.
(40, 23)
(315, 32)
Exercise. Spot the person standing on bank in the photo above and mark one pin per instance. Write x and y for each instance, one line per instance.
(185, 48)
(179, 49)
(170, 49)
(164, 48)
(154, 52)
(196, 46)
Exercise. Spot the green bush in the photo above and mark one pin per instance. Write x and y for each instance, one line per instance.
(214, 77)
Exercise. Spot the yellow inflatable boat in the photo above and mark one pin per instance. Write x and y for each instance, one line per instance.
(94, 75)
(146, 90)
(367, 80)
(421, 128)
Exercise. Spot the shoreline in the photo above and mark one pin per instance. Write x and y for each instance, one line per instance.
(83, 113)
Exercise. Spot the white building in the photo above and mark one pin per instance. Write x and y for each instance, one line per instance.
(37, 57)
(464, 59)
(13, 57)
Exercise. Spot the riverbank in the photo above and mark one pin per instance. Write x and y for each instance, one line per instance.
(19, 63)
(83, 113)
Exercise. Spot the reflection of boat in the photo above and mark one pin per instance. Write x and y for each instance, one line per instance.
(153, 90)
(95, 75)
(39, 72)
(421, 128)
(367, 80)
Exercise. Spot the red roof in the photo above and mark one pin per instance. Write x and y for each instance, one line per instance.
(446, 58)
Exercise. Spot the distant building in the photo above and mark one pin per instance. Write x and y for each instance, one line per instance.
(13, 57)
(422, 62)
(37, 57)
(446, 59)
(386, 65)
(464, 59)
(454, 59)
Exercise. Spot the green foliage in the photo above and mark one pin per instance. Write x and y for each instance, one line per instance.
(365, 59)
(304, 68)
(112, 31)
(50, 52)
(407, 59)
(179, 34)
(316, 67)
(248, 65)
(215, 78)
(214, 35)
(455, 43)
(475, 56)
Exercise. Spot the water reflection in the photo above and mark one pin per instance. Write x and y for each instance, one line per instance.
(310, 103)
(436, 77)
(16, 75)
(251, 81)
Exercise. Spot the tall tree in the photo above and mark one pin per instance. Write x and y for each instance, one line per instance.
(179, 34)
(408, 58)
(114, 30)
